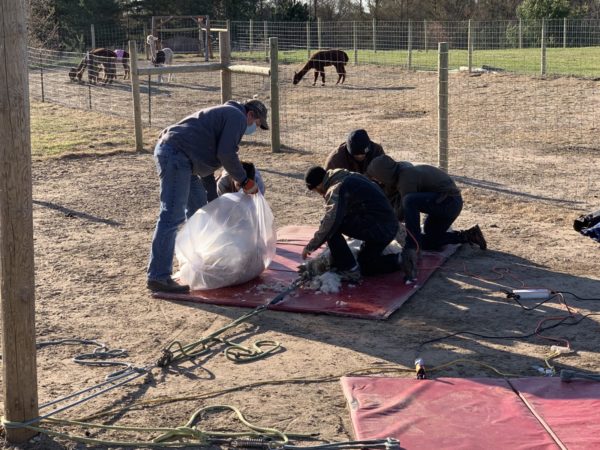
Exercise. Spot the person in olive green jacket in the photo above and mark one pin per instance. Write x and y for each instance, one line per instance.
(425, 189)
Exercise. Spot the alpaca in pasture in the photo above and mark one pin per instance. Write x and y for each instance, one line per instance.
(321, 59)
(96, 60)
(162, 57)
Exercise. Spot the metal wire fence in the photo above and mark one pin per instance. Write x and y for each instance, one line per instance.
(509, 129)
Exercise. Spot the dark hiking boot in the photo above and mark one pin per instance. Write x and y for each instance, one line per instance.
(474, 236)
(168, 285)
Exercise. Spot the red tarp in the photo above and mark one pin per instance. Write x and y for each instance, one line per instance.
(478, 413)
(375, 298)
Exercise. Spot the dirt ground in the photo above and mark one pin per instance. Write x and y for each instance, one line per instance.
(94, 217)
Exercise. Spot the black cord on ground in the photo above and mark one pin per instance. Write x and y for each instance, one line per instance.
(563, 321)
(577, 297)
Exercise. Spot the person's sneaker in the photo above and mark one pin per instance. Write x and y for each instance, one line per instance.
(168, 285)
(351, 275)
(475, 236)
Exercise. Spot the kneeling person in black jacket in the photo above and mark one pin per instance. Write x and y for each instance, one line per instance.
(355, 207)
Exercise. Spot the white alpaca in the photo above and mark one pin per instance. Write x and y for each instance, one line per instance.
(160, 58)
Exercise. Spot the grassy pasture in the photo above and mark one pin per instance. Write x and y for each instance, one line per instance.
(583, 61)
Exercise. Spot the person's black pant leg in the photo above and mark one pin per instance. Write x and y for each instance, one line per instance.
(440, 217)
(373, 262)
(341, 255)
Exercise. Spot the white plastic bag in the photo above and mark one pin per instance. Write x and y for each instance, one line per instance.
(229, 241)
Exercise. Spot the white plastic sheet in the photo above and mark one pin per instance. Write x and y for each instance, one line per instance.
(230, 241)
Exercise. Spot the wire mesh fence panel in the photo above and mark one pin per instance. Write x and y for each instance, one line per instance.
(393, 105)
(510, 128)
(526, 135)
(52, 78)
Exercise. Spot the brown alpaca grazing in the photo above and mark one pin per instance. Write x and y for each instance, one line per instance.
(94, 61)
(321, 59)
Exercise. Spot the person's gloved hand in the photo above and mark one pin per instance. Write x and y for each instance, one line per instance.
(305, 253)
(249, 187)
(409, 263)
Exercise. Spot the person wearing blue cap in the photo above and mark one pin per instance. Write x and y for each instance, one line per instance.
(187, 155)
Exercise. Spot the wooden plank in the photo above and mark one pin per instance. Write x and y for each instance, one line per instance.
(250, 70)
(17, 284)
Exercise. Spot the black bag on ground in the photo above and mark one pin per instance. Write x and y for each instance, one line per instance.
(586, 221)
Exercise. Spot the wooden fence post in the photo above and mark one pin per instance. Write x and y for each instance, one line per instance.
(543, 56)
(266, 38)
(355, 43)
(17, 286)
(374, 35)
(319, 36)
(425, 35)
(308, 39)
(409, 46)
(520, 33)
(251, 37)
(443, 106)
(135, 93)
(470, 47)
(225, 57)
(565, 32)
(275, 137)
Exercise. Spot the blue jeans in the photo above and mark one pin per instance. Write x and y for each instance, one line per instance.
(181, 195)
(441, 214)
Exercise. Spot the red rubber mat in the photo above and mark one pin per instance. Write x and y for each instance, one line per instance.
(570, 410)
(375, 298)
(477, 413)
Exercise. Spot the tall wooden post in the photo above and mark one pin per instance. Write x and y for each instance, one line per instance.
(275, 138)
(251, 36)
(17, 284)
(225, 57)
(374, 35)
(308, 40)
(470, 47)
(409, 45)
(425, 35)
(266, 38)
(443, 106)
(355, 43)
(543, 56)
(93, 35)
(565, 32)
(135, 93)
(520, 33)
(319, 35)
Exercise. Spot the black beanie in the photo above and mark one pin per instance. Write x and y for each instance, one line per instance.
(314, 176)
(358, 142)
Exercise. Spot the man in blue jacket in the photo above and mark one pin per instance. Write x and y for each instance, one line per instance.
(355, 207)
(187, 154)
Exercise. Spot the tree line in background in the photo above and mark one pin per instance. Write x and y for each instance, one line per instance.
(59, 23)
